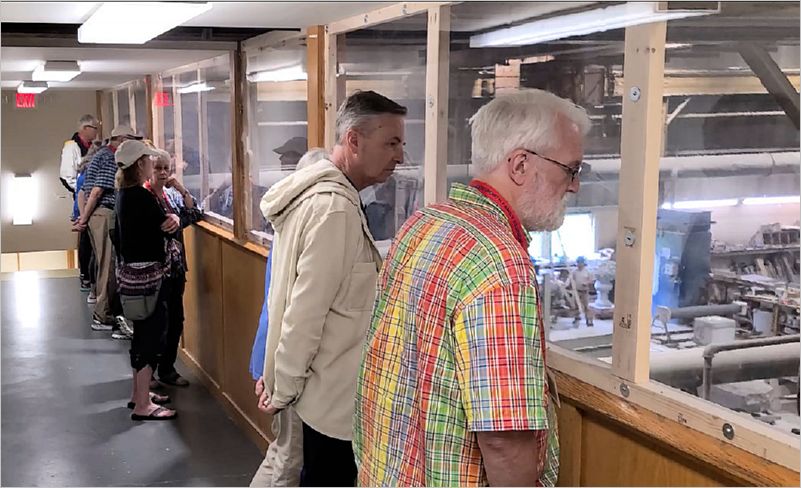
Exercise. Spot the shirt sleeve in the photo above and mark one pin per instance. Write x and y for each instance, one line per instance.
(499, 361)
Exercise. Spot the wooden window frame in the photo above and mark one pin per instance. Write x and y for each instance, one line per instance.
(641, 140)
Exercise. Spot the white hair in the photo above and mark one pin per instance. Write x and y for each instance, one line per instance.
(312, 156)
(523, 119)
(87, 119)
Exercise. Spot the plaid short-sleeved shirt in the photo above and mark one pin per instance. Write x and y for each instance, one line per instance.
(454, 348)
(101, 173)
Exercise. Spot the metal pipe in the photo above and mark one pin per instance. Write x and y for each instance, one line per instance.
(704, 311)
(711, 350)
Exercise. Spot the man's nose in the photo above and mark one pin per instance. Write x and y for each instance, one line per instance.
(574, 185)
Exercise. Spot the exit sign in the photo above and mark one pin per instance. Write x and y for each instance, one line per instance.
(26, 100)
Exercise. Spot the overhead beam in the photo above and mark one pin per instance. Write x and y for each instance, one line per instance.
(772, 78)
(709, 85)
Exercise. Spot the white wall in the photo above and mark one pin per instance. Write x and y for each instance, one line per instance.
(31, 142)
(736, 225)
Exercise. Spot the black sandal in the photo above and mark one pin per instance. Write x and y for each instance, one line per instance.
(154, 415)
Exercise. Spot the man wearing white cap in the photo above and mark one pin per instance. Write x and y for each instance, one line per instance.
(96, 215)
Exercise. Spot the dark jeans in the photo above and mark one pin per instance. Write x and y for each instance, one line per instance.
(175, 326)
(326, 461)
(86, 261)
(149, 338)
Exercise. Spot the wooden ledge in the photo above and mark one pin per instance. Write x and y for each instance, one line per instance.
(228, 236)
(725, 459)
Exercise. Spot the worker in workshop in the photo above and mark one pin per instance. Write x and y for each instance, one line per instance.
(583, 280)
(453, 388)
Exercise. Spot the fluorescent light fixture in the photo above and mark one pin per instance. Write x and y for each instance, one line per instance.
(23, 199)
(195, 88)
(62, 71)
(136, 22)
(702, 204)
(772, 200)
(294, 73)
(581, 23)
(32, 87)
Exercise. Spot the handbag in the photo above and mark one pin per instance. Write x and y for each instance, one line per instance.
(138, 285)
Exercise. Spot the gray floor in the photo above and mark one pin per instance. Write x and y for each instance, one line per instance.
(64, 390)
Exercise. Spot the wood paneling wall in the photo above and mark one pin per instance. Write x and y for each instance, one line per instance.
(223, 300)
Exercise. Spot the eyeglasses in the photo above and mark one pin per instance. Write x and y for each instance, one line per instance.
(91, 126)
(572, 172)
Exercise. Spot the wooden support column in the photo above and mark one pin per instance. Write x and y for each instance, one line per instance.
(240, 177)
(133, 123)
(99, 113)
(436, 139)
(149, 108)
(203, 138)
(178, 131)
(332, 90)
(157, 114)
(315, 85)
(641, 145)
(115, 116)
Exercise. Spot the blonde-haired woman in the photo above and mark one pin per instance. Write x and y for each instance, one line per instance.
(144, 263)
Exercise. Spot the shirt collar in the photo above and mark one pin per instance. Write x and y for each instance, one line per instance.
(482, 195)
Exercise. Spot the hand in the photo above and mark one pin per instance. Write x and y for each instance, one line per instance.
(265, 405)
(259, 386)
(171, 224)
(78, 226)
(173, 182)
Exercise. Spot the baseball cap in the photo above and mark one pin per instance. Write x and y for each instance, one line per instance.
(124, 131)
(130, 151)
(296, 145)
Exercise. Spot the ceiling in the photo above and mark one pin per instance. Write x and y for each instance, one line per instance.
(107, 67)
(100, 68)
(222, 14)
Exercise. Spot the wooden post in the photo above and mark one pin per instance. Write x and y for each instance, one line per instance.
(132, 110)
(203, 142)
(157, 115)
(99, 108)
(177, 130)
(115, 109)
(315, 85)
(149, 107)
(240, 177)
(641, 145)
(331, 91)
(435, 166)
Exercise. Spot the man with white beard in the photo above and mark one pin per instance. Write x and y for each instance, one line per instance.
(453, 388)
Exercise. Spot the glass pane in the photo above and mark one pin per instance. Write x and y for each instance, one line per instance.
(277, 90)
(189, 137)
(583, 69)
(215, 96)
(123, 111)
(391, 60)
(140, 105)
(726, 262)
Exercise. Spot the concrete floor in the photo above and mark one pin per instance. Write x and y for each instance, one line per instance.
(64, 390)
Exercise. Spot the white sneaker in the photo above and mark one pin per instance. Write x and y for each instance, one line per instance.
(91, 299)
(100, 326)
(121, 335)
(125, 325)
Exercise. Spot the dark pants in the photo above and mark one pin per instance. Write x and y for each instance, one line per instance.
(149, 338)
(175, 327)
(326, 461)
(86, 261)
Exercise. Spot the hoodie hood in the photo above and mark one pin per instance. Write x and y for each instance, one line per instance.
(321, 177)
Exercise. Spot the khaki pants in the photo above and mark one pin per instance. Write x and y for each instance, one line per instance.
(284, 459)
(106, 284)
(584, 298)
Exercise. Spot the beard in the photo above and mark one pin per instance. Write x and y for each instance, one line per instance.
(540, 215)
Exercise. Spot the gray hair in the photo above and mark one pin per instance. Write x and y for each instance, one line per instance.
(527, 118)
(313, 155)
(358, 109)
(87, 119)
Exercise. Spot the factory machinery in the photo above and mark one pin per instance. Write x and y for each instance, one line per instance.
(742, 354)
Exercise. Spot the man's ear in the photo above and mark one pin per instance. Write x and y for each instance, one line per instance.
(517, 167)
(352, 139)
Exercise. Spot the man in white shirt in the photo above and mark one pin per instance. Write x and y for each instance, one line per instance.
(583, 279)
(75, 148)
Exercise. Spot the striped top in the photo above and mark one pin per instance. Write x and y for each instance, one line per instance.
(454, 348)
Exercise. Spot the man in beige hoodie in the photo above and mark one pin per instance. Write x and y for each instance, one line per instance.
(323, 287)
